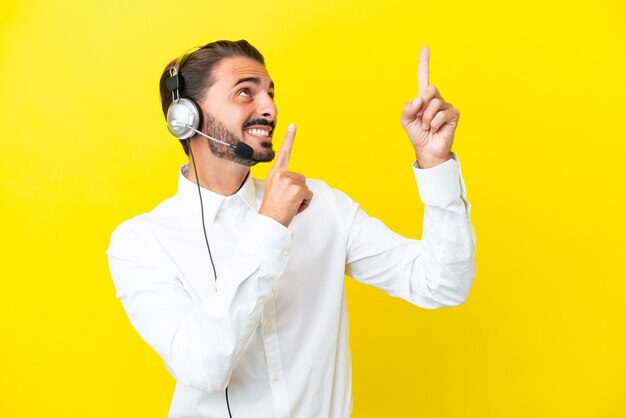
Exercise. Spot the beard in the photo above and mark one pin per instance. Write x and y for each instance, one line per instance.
(217, 130)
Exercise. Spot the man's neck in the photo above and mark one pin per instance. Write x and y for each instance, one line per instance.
(216, 174)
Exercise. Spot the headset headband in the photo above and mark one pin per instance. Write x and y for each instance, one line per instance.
(175, 82)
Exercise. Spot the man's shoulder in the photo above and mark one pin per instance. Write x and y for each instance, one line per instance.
(140, 227)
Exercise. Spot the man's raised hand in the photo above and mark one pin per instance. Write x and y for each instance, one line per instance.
(428, 120)
(286, 192)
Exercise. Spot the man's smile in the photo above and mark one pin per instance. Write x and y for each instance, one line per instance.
(259, 131)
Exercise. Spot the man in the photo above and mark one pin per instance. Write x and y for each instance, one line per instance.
(238, 283)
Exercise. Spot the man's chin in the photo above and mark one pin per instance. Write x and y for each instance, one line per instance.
(265, 154)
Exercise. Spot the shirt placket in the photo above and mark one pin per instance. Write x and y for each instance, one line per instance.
(273, 357)
(233, 216)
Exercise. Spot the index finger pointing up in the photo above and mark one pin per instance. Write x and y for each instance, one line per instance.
(282, 161)
(423, 72)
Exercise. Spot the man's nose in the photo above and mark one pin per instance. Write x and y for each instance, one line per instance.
(267, 108)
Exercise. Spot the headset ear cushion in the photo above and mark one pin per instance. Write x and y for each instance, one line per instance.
(181, 115)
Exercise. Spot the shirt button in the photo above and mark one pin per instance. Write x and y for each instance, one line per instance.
(285, 252)
(268, 323)
(276, 377)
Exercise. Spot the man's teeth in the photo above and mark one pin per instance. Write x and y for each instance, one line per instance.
(258, 132)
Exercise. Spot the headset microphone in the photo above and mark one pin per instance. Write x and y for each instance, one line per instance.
(242, 149)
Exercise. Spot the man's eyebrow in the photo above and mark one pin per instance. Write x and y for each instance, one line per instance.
(255, 80)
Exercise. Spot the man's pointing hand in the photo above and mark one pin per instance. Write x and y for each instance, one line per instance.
(429, 121)
(286, 192)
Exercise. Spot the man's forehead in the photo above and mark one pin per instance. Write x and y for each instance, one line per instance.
(232, 70)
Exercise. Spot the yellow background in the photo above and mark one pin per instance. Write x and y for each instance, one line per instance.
(540, 86)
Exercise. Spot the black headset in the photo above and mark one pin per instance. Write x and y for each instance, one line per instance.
(184, 116)
(183, 113)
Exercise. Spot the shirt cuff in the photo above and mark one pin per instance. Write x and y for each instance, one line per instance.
(269, 243)
(439, 185)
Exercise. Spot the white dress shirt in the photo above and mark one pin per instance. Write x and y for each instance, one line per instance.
(273, 327)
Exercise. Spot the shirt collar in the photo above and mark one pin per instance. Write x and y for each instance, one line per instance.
(211, 201)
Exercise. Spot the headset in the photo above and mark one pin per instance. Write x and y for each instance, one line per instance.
(184, 116)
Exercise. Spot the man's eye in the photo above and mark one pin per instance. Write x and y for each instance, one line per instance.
(243, 92)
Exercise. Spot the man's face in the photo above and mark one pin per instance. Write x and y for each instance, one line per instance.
(239, 106)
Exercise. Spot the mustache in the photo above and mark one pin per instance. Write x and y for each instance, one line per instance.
(253, 122)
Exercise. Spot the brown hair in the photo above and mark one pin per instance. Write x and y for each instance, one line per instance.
(196, 71)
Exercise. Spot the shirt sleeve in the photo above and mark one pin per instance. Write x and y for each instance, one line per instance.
(436, 271)
(200, 342)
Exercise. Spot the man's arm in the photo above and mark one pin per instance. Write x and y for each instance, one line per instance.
(200, 342)
(435, 272)
(438, 270)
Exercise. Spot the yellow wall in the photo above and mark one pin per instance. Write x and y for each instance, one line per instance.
(541, 139)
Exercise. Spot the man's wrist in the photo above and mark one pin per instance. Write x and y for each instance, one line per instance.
(425, 163)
